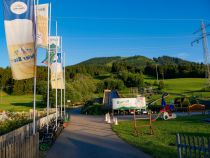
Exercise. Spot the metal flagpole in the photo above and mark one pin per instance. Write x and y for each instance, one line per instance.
(48, 70)
(34, 103)
(64, 78)
(62, 75)
(56, 90)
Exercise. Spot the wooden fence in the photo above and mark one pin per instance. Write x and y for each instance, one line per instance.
(19, 147)
(21, 142)
(193, 146)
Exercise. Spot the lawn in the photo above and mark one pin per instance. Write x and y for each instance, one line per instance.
(181, 85)
(162, 144)
(184, 85)
(18, 103)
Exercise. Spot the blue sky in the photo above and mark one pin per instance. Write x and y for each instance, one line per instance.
(98, 28)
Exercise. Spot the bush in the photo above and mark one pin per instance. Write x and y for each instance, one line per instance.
(155, 83)
(92, 109)
(161, 85)
(186, 102)
(112, 83)
(13, 123)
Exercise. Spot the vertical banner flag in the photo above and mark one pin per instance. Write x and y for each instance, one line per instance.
(54, 42)
(20, 37)
(42, 25)
(56, 69)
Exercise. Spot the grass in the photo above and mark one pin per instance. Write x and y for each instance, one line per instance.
(181, 85)
(162, 144)
(19, 103)
(184, 85)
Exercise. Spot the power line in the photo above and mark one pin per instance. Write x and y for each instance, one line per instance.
(131, 19)
(133, 38)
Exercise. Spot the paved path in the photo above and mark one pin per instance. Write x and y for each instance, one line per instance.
(90, 137)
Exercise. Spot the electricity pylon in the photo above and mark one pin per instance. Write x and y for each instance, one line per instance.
(203, 37)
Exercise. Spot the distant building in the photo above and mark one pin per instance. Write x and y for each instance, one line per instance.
(108, 96)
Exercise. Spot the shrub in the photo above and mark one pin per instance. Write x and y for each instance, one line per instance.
(161, 85)
(186, 102)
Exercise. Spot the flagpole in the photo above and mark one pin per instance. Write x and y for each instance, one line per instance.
(62, 75)
(34, 104)
(56, 90)
(64, 78)
(48, 71)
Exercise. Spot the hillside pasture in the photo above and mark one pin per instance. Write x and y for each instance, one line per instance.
(19, 103)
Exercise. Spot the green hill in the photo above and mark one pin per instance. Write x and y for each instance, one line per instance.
(101, 61)
(166, 60)
(136, 61)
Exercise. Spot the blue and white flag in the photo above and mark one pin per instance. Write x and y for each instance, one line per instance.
(20, 36)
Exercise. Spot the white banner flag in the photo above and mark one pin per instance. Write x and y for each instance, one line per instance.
(42, 25)
(20, 36)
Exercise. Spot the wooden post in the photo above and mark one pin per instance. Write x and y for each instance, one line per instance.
(179, 150)
(150, 124)
(135, 127)
(208, 146)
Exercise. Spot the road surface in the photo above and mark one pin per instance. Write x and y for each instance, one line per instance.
(90, 137)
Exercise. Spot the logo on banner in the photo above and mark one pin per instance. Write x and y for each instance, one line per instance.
(23, 54)
(18, 8)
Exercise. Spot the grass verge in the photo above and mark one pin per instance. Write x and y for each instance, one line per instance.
(163, 143)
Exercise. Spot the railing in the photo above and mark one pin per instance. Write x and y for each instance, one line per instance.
(20, 147)
(193, 146)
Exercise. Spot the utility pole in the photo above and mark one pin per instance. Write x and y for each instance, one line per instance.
(205, 47)
(157, 73)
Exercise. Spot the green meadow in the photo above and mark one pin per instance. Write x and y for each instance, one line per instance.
(18, 103)
(163, 143)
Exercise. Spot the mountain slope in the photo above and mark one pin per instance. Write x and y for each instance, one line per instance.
(138, 61)
(166, 60)
(100, 61)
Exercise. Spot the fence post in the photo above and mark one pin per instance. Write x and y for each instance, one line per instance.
(209, 147)
(178, 142)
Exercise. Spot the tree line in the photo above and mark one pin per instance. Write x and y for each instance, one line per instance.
(86, 81)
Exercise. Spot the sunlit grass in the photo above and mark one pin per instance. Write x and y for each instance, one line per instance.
(18, 103)
(163, 143)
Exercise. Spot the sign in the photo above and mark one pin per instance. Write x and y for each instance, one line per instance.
(128, 103)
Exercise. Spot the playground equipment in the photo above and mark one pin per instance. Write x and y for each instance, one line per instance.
(137, 128)
(197, 108)
(167, 111)
(165, 114)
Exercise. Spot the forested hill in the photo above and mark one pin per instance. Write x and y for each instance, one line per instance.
(136, 61)
(89, 78)
(168, 67)
(101, 61)
(166, 60)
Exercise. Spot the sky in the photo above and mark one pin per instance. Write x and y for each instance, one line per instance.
(101, 28)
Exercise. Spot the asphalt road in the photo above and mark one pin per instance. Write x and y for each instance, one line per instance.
(90, 137)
